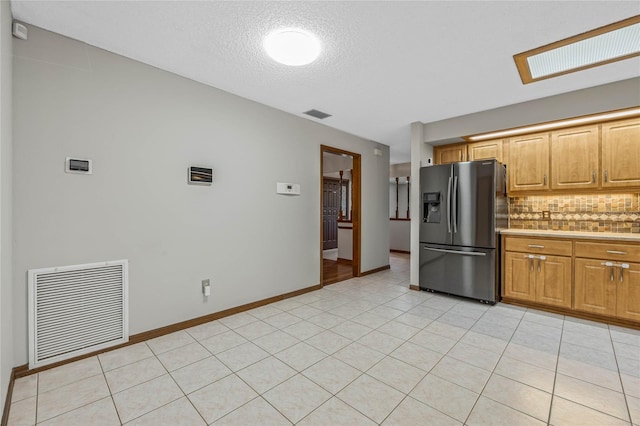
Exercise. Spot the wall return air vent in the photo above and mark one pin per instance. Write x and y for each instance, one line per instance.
(75, 310)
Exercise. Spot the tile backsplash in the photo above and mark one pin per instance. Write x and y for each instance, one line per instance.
(592, 213)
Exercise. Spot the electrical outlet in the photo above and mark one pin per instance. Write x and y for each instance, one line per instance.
(206, 287)
(546, 214)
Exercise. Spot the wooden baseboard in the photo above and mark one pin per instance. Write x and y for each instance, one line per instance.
(414, 287)
(572, 313)
(23, 370)
(7, 401)
(373, 271)
(345, 261)
(400, 251)
(15, 371)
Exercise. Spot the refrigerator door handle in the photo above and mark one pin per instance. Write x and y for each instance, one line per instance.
(455, 205)
(464, 253)
(449, 205)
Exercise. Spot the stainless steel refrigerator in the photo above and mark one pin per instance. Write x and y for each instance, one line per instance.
(463, 206)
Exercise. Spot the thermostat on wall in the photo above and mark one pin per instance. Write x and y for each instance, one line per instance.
(77, 165)
(288, 188)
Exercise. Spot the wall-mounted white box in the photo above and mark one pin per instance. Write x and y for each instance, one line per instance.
(288, 188)
(78, 165)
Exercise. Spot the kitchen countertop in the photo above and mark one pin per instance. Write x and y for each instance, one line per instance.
(614, 236)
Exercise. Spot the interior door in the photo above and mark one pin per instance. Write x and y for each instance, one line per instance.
(330, 208)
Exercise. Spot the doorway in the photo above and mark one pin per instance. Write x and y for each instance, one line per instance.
(340, 215)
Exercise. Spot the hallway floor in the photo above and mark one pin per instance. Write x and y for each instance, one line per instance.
(360, 352)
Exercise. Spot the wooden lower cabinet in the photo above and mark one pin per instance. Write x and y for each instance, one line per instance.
(595, 287)
(542, 279)
(628, 301)
(519, 280)
(599, 278)
(553, 283)
(608, 290)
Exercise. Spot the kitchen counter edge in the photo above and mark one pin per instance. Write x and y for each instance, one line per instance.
(613, 236)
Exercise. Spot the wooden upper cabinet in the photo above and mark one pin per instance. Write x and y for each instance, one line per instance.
(446, 154)
(450, 153)
(621, 153)
(596, 157)
(486, 150)
(575, 158)
(528, 167)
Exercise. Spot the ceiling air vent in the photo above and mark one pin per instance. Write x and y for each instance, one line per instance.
(317, 114)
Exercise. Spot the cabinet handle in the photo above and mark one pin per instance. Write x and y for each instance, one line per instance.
(539, 264)
(593, 175)
(623, 266)
(606, 176)
(616, 252)
(545, 180)
(610, 265)
(531, 263)
(535, 246)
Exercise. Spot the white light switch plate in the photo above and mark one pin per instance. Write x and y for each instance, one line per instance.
(288, 188)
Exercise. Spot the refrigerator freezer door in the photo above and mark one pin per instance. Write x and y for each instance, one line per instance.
(463, 271)
(435, 182)
(474, 204)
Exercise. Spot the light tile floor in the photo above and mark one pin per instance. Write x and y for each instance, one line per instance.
(361, 352)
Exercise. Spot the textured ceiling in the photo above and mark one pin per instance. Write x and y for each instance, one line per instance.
(384, 64)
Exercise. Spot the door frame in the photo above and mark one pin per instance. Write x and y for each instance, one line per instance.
(356, 204)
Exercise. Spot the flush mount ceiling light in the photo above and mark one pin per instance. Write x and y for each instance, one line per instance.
(611, 43)
(292, 46)
(595, 118)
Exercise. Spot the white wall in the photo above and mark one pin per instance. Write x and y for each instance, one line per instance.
(6, 239)
(403, 199)
(399, 231)
(142, 128)
(400, 235)
(333, 163)
(345, 240)
(420, 152)
(6, 326)
(607, 97)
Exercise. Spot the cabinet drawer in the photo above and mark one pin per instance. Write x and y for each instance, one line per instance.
(538, 245)
(614, 251)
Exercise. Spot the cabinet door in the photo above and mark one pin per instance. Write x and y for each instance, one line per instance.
(621, 153)
(575, 158)
(553, 281)
(519, 276)
(595, 287)
(629, 293)
(529, 163)
(485, 150)
(450, 154)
